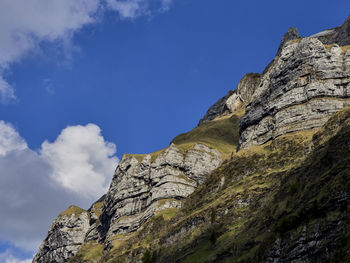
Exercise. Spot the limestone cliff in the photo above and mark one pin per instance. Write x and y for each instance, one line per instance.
(65, 236)
(234, 100)
(140, 188)
(307, 83)
(199, 200)
(301, 90)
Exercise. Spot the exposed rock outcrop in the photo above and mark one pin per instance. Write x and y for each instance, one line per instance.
(339, 35)
(291, 34)
(141, 188)
(301, 90)
(95, 211)
(307, 82)
(65, 236)
(234, 99)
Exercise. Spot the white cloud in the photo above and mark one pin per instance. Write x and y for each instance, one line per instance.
(34, 188)
(166, 4)
(129, 8)
(24, 24)
(8, 257)
(81, 160)
(10, 140)
(7, 92)
(16, 260)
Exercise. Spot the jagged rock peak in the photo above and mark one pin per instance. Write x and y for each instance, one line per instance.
(65, 236)
(304, 86)
(291, 34)
(234, 99)
(339, 35)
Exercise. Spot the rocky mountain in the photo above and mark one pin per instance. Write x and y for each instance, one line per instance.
(264, 177)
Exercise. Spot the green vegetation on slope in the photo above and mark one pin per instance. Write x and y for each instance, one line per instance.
(72, 210)
(221, 134)
(293, 188)
(279, 199)
(88, 253)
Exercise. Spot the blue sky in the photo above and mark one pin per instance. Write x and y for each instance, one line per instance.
(120, 77)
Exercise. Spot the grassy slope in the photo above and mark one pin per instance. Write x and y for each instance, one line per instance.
(258, 195)
(220, 134)
(72, 210)
(285, 195)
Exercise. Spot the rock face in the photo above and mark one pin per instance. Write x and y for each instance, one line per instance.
(291, 34)
(95, 211)
(301, 90)
(306, 83)
(65, 236)
(339, 35)
(141, 188)
(234, 99)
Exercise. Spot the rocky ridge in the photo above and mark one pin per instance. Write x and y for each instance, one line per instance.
(307, 83)
(140, 188)
(300, 90)
(234, 100)
(65, 236)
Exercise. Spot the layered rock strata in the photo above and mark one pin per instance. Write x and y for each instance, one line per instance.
(142, 187)
(234, 99)
(301, 90)
(304, 85)
(65, 236)
(339, 35)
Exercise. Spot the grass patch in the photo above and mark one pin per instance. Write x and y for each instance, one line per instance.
(293, 41)
(90, 252)
(72, 210)
(168, 213)
(345, 48)
(221, 134)
(97, 209)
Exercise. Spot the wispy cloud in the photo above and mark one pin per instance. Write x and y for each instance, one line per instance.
(131, 9)
(48, 86)
(8, 257)
(7, 92)
(24, 24)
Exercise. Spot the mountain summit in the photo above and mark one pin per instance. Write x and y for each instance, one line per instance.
(264, 177)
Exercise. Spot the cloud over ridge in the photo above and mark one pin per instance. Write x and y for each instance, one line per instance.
(35, 185)
(80, 156)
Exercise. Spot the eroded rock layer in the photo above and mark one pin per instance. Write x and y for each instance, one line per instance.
(65, 236)
(234, 99)
(301, 90)
(142, 187)
(305, 84)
